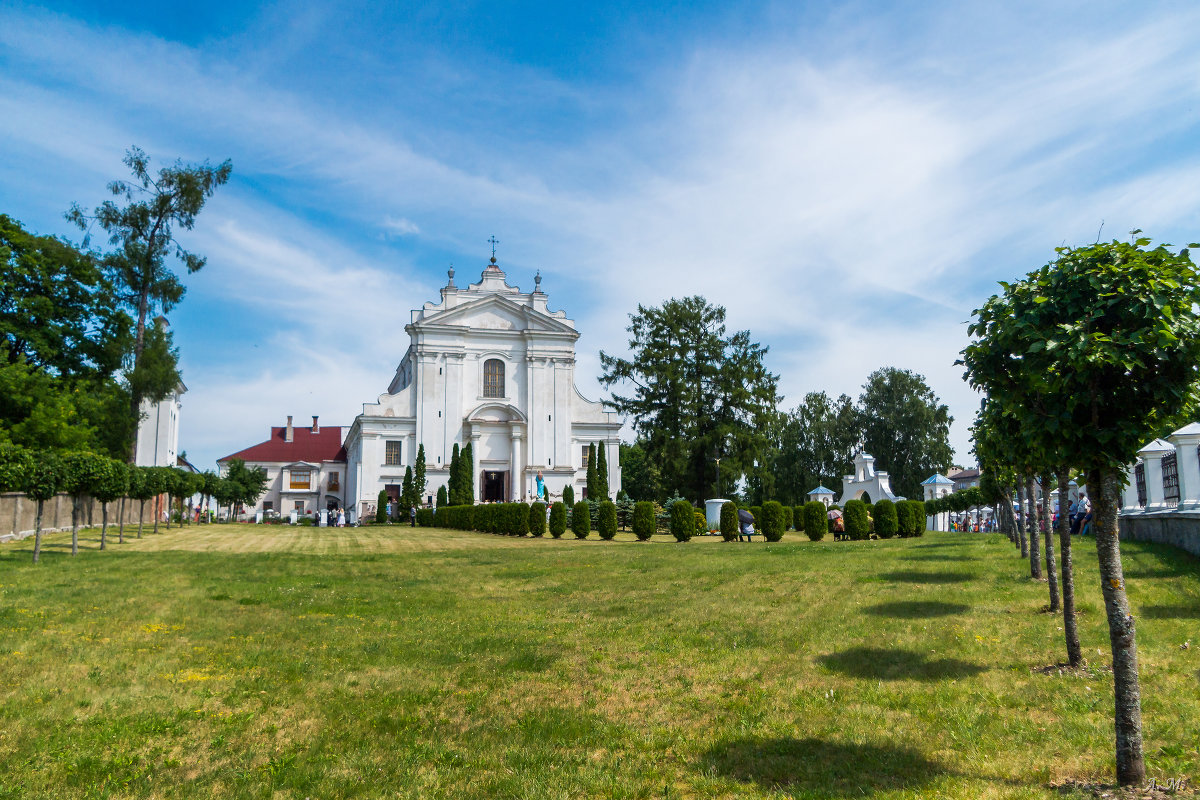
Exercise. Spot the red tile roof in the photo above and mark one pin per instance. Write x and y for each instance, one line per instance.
(326, 445)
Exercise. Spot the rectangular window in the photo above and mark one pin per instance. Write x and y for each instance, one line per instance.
(333, 480)
(583, 460)
(268, 505)
(299, 506)
(391, 455)
(300, 479)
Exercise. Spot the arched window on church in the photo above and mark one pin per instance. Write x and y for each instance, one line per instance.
(493, 378)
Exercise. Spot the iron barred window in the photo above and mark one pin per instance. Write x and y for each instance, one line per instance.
(493, 378)
(391, 454)
(1170, 476)
(1139, 474)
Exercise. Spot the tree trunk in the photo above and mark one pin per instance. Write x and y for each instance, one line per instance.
(1035, 550)
(121, 522)
(141, 518)
(1047, 528)
(75, 525)
(1131, 768)
(135, 398)
(1070, 630)
(37, 533)
(157, 512)
(1023, 522)
(170, 502)
(103, 524)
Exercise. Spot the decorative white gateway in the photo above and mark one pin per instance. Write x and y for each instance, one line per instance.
(495, 367)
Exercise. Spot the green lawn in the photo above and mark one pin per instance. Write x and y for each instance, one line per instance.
(259, 661)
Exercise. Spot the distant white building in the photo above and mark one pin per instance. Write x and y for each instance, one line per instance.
(305, 468)
(158, 431)
(492, 366)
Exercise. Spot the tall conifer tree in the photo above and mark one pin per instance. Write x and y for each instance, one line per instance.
(602, 472)
(455, 475)
(593, 490)
(419, 482)
(468, 474)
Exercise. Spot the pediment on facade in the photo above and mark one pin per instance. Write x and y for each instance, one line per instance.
(496, 412)
(499, 314)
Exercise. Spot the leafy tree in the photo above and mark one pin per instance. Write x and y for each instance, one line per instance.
(468, 474)
(905, 427)
(420, 483)
(454, 481)
(143, 233)
(558, 519)
(248, 483)
(729, 521)
(695, 390)
(79, 473)
(643, 520)
(141, 488)
(603, 487)
(592, 489)
(816, 445)
(381, 507)
(683, 520)
(210, 484)
(886, 521)
(109, 481)
(581, 520)
(15, 462)
(1091, 355)
(639, 474)
(606, 520)
(43, 479)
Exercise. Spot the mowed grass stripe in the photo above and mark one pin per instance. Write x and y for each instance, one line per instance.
(387, 661)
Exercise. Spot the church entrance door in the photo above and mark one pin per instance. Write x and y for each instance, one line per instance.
(495, 484)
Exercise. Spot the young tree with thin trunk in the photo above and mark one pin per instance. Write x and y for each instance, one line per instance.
(1091, 356)
(143, 233)
(43, 479)
(1032, 524)
(1070, 629)
(1047, 530)
(111, 481)
(80, 472)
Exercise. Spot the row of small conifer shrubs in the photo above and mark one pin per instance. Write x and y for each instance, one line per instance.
(520, 519)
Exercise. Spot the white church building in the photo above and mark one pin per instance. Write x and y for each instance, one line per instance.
(492, 366)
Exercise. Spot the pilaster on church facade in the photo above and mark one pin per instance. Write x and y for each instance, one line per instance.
(491, 366)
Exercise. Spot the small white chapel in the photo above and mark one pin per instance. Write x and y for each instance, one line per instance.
(492, 366)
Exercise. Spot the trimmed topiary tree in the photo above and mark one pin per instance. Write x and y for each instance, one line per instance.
(772, 521)
(854, 517)
(606, 520)
(518, 519)
(581, 520)
(918, 517)
(701, 522)
(729, 521)
(558, 520)
(643, 520)
(442, 499)
(381, 507)
(798, 518)
(886, 521)
(904, 523)
(816, 520)
(683, 520)
(42, 478)
(757, 512)
(569, 496)
(537, 519)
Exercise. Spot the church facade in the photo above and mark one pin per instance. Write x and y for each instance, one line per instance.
(492, 366)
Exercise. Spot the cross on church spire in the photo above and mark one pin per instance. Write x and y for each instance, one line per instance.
(494, 242)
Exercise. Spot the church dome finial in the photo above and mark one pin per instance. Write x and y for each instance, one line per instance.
(450, 273)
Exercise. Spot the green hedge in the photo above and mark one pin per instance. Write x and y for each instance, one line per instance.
(643, 520)
(558, 519)
(911, 516)
(772, 521)
(683, 520)
(729, 521)
(854, 517)
(904, 518)
(886, 520)
(581, 520)
(537, 519)
(606, 520)
(425, 517)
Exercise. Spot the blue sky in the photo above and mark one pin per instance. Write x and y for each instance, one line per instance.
(849, 180)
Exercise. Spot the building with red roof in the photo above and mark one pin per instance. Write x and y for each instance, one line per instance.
(306, 468)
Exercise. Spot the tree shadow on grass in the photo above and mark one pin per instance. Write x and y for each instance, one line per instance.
(939, 557)
(816, 768)
(1169, 612)
(880, 664)
(916, 609)
(907, 576)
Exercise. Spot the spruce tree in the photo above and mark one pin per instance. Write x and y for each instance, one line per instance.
(592, 478)
(455, 475)
(419, 482)
(468, 474)
(602, 474)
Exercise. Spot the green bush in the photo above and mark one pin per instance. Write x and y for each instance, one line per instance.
(772, 521)
(729, 521)
(916, 517)
(683, 520)
(904, 518)
(569, 496)
(757, 512)
(798, 519)
(581, 520)
(441, 497)
(425, 517)
(854, 517)
(643, 520)
(537, 519)
(606, 522)
(516, 519)
(886, 519)
(701, 522)
(381, 507)
(558, 519)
